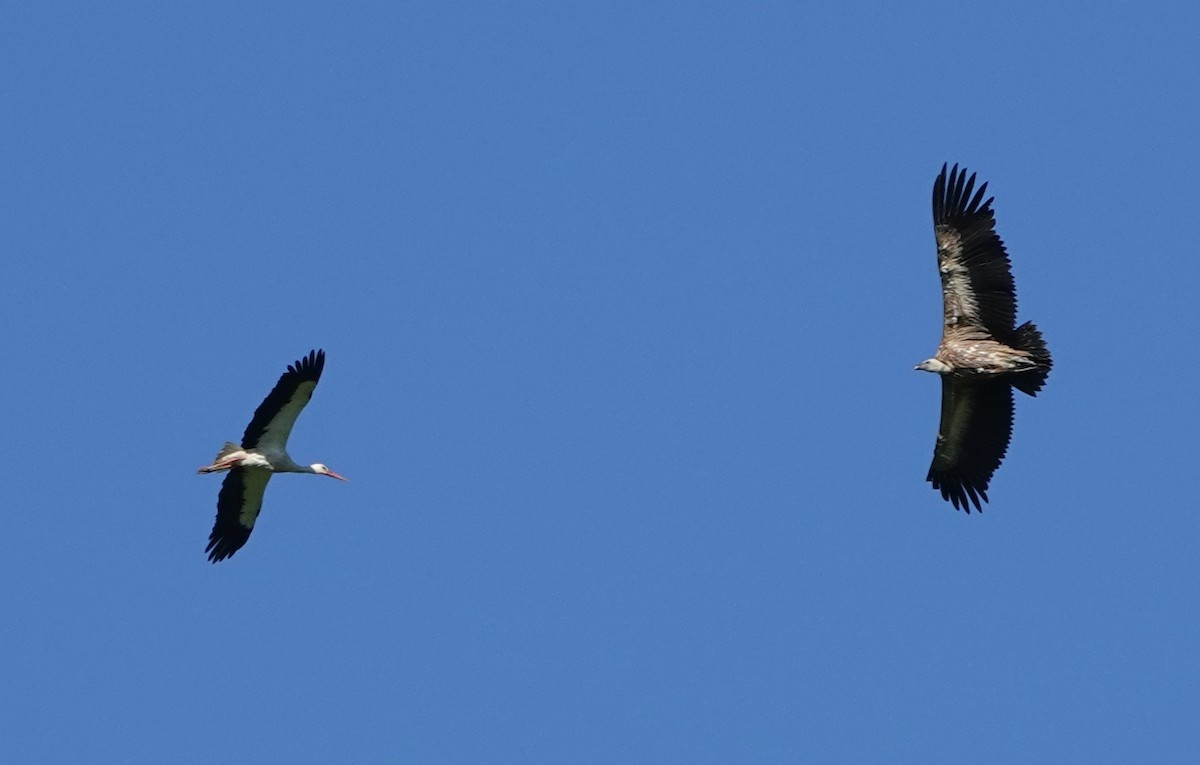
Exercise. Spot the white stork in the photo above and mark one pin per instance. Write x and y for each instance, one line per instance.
(263, 452)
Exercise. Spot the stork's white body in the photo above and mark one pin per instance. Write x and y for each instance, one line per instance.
(275, 461)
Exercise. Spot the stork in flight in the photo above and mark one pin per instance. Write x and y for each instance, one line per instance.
(263, 452)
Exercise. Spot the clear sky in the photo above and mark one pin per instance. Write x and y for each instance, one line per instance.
(621, 303)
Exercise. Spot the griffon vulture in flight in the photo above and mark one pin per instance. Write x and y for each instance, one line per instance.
(983, 355)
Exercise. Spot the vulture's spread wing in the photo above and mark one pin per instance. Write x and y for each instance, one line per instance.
(977, 284)
(973, 436)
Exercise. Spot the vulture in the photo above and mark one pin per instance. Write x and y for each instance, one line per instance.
(982, 355)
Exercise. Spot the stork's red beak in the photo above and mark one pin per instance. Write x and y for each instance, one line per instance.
(332, 474)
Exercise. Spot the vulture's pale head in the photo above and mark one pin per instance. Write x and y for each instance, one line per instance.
(934, 365)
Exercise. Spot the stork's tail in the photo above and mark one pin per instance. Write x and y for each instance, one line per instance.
(216, 466)
(1027, 338)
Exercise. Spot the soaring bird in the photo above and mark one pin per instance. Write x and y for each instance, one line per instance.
(982, 355)
(262, 453)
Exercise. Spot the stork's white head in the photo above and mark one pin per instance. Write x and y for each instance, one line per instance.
(320, 469)
(935, 365)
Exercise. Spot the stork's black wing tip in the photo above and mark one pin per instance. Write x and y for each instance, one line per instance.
(309, 367)
(220, 548)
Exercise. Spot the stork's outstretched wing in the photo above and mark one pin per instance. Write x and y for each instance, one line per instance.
(273, 420)
(238, 506)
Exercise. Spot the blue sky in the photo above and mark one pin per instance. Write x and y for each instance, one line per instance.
(621, 303)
